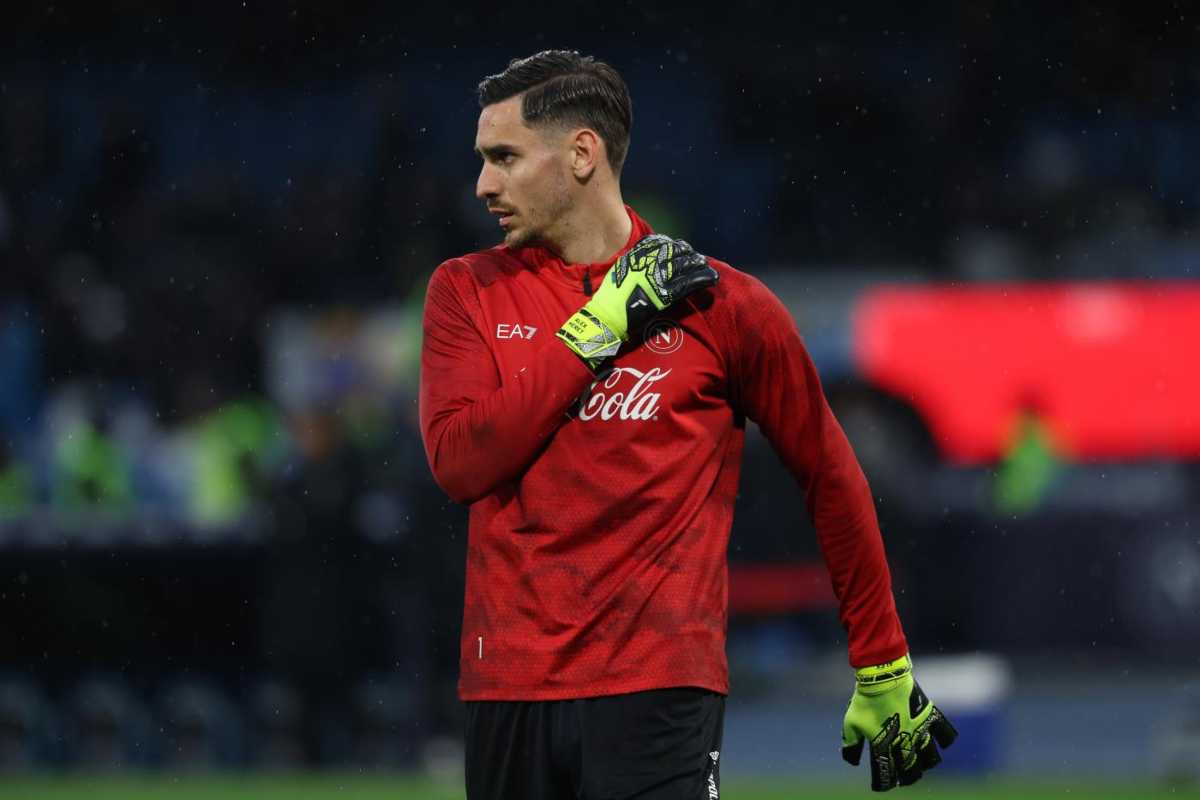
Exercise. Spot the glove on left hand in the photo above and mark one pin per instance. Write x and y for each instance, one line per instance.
(889, 708)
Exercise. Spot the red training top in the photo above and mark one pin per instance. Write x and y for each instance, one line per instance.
(600, 507)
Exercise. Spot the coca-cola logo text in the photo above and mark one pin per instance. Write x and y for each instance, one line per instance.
(607, 397)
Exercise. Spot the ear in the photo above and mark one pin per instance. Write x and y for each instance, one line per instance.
(587, 153)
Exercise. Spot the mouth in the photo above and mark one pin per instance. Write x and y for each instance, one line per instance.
(504, 214)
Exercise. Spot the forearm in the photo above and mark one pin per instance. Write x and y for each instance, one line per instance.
(843, 512)
(475, 445)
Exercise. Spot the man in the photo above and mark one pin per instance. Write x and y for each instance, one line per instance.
(584, 388)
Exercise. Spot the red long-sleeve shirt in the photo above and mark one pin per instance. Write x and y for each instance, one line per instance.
(600, 508)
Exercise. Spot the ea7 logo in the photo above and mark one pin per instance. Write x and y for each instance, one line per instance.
(515, 331)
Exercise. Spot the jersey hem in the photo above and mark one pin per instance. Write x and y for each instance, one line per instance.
(599, 690)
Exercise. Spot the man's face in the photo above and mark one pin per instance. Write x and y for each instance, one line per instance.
(525, 179)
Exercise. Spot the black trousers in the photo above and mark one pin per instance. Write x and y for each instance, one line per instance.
(662, 744)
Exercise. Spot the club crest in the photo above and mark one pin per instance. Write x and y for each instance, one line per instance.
(663, 336)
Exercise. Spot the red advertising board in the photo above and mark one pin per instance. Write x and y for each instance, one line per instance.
(1111, 369)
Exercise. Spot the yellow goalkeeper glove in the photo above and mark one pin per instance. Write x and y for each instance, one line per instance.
(889, 710)
(654, 274)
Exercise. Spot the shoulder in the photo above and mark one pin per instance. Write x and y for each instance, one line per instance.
(737, 292)
(743, 313)
(481, 268)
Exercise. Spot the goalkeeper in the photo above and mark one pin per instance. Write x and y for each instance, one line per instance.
(584, 388)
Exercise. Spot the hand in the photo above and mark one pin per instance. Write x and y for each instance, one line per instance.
(655, 273)
(889, 709)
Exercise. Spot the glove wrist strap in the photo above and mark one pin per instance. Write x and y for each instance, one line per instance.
(589, 338)
(883, 674)
(597, 312)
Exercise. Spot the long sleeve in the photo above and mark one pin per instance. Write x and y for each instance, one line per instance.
(774, 383)
(481, 429)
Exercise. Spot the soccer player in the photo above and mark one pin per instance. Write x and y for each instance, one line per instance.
(585, 387)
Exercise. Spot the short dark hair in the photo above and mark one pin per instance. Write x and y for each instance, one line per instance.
(564, 87)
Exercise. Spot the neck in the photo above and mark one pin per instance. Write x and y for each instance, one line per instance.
(595, 232)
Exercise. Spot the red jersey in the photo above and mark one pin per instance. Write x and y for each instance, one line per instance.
(600, 506)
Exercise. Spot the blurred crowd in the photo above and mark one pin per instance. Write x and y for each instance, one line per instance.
(102, 723)
(155, 218)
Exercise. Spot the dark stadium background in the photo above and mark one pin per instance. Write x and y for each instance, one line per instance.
(220, 547)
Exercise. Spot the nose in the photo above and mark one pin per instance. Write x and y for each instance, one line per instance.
(487, 187)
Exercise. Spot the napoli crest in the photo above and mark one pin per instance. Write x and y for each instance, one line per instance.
(663, 336)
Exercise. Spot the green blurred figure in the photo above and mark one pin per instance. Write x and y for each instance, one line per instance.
(1028, 469)
(232, 447)
(90, 470)
(16, 486)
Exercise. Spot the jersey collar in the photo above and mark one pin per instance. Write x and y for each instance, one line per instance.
(579, 275)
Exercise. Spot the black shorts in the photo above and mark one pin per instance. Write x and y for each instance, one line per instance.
(662, 744)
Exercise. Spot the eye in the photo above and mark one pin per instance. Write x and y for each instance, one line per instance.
(506, 158)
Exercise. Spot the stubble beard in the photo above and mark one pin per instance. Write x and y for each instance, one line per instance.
(521, 237)
(554, 208)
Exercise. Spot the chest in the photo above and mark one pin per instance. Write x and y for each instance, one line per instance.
(673, 368)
